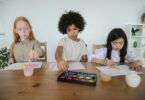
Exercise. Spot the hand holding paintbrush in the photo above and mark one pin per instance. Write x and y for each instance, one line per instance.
(63, 65)
(111, 63)
(33, 55)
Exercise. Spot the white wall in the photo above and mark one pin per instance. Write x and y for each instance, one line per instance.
(100, 15)
(3, 41)
(1, 16)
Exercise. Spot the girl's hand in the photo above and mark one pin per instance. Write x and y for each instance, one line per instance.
(63, 65)
(33, 55)
(11, 60)
(109, 62)
(137, 66)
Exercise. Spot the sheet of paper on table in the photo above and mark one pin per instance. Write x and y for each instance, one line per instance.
(72, 66)
(17, 66)
(118, 71)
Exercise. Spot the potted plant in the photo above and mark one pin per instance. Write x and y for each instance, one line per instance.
(134, 31)
(4, 57)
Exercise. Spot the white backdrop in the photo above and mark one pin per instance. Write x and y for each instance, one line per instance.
(3, 41)
(100, 15)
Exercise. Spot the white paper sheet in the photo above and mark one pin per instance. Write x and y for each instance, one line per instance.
(72, 66)
(120, 70)
(53, 66)
(17, 66)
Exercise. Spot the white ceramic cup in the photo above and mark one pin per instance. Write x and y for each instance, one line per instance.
(28, 71)
(132, 79)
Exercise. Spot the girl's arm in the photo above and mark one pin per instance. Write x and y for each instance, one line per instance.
(58, 54)
(60, 61)
(100, 56)
(135, 62)
(36, 51)
(106, 62)
(11, 56)
(99, 61)
(136, 65)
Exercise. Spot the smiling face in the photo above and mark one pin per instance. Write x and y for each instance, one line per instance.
(72, 32)
(22, 29)
(117, 44)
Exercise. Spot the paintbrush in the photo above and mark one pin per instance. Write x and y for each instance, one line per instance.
(32, 49)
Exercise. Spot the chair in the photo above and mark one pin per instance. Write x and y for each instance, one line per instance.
(95, 46)
(43, 45)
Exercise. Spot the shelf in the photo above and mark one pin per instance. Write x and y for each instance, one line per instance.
(137, 39)
(135, 48)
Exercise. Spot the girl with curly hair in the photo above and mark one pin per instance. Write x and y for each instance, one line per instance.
(71, 47)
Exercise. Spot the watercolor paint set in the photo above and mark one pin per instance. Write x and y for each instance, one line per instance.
(78, 77)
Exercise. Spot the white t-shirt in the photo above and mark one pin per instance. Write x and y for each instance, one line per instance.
(72, 50)
(115, 55)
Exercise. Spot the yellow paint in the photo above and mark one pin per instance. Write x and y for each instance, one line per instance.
(22, 66)
(105, 78)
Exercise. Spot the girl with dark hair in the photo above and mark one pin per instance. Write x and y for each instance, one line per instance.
(116, 51)
(70, 48)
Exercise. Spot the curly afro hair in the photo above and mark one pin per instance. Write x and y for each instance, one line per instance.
(70, 18)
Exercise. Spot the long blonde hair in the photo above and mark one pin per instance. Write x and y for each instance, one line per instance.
(16, 35)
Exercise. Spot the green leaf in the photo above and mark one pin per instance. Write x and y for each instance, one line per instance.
(4, 57)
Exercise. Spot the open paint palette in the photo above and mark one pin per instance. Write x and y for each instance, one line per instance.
(78, 77)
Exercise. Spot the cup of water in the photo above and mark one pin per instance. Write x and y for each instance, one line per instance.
(28, 71)
(105, 77)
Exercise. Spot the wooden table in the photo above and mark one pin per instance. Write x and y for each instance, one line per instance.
(43, 85)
